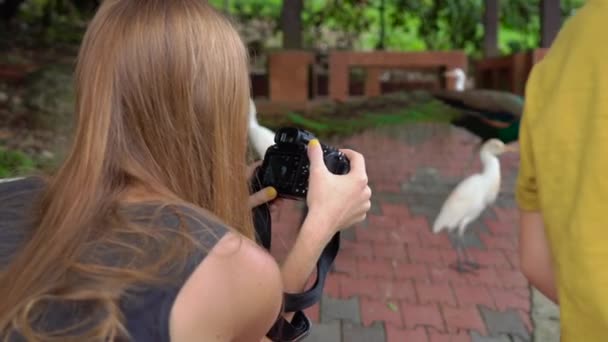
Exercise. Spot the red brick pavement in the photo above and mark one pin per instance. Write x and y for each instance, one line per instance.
(398, 269)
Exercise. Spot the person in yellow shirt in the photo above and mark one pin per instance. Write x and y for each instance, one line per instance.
(562, 186)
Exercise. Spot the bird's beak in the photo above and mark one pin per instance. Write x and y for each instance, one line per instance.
(511, 148)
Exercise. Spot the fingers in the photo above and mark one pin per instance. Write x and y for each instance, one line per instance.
(251, 167)
(357, 168)
(357, 162)
(315, 155)
(356, 220)
(361, 218)
(367, 192)
(262, 196)
(361, 209)
(365, 206)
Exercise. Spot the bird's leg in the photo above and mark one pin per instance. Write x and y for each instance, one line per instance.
(469, 261)
(459, 266)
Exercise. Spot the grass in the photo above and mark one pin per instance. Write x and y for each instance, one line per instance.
(15, 163)
(349, 118)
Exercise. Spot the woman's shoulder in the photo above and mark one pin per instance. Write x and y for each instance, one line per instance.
(17, 197)
(230, 286)
(13, 188)
(235, 292)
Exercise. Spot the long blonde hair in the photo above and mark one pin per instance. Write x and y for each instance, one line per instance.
(162, 94)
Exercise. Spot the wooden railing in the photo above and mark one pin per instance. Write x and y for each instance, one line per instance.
(508, 73)
(291, 83)
(294, 85)
(375, 62)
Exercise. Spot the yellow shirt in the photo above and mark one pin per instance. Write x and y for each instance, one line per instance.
(564, 167)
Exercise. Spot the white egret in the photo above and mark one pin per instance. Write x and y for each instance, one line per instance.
(469, 199)
(461, 78)
(261, 137)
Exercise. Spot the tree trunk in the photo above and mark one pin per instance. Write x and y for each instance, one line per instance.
(9, 9)
(381, 43)
(291, 24)
(47, 14)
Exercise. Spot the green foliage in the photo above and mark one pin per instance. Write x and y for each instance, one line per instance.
(392, 109)
(411, 25)
(14, 163)
(49, 97)
(324, 126)
(437, 20)
(245, 10)
(52, 22)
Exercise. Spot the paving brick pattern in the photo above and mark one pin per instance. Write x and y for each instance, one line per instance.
(391, 280)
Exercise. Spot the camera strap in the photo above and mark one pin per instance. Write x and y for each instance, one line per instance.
(298, 301)
(299, 327)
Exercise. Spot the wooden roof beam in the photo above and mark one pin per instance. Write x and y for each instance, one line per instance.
(551, 21)
(490, 24)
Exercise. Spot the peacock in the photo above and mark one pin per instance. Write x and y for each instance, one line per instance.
(488, 114)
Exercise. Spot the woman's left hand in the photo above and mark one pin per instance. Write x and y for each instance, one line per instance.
(265, 195)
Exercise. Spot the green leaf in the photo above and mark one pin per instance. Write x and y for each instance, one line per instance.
(392, 306)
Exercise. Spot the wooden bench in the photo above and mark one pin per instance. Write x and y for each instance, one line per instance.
(375, 62)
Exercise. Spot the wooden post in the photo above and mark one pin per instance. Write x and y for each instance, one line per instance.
(288, 76)
(551, 21)
(338, 76)
(490, 23)
(372, 82)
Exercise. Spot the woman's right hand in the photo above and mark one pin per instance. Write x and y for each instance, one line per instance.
(334, 202)
(343, 200)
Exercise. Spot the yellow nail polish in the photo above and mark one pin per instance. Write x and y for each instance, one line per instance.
(313, 142)
(271, 192)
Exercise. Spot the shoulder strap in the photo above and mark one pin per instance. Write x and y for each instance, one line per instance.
(262, 224)
(294, 302)
(304, 300)
(284, 331)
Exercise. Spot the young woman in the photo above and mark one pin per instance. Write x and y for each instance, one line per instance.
(562, 189)
(145, 231)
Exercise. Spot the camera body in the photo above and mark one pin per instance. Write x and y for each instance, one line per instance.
(286, 166)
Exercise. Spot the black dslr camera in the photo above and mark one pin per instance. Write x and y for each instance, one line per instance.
(286, 165)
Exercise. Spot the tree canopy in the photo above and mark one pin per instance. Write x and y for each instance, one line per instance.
(348, 24)
(409, 24)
